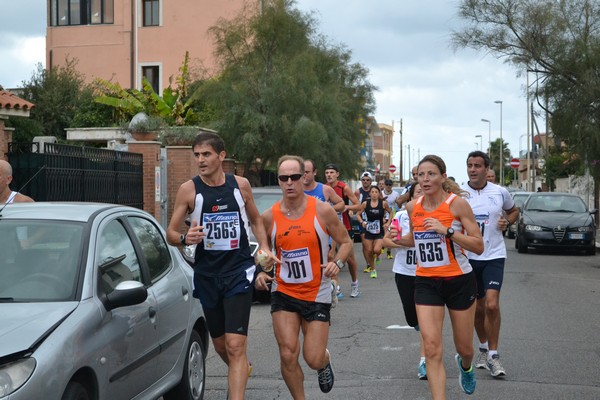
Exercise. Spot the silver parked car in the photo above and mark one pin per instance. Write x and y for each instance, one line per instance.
(95, 305)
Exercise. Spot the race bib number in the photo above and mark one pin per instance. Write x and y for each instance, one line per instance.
(373, 227)
(295, 266)
(482, 221)
(431, 249)
(411, 257)
(222, 230)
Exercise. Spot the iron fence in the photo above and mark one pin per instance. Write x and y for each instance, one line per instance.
(74, 173)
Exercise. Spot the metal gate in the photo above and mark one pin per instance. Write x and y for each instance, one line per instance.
(60, 172)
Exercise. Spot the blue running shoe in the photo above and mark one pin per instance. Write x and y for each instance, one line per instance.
(422, 374)
(466, 379)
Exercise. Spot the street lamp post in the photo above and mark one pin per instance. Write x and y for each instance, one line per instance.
(480, 141)
(501, 145)
(489, 135)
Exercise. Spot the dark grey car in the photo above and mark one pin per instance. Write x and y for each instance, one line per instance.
(519, 198)
(555, 221)
(95, 305)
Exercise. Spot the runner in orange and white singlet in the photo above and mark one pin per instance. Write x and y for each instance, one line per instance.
(299, 227)
(302, 245)
(438, 255)
(439, 224)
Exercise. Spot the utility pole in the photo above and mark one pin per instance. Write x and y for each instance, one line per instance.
(400, 166)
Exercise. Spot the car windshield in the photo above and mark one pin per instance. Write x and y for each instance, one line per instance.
(265, 200)
(519, 198)
(39, 260)
(566, 204)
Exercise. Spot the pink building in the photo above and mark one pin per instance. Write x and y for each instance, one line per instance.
(124, 40)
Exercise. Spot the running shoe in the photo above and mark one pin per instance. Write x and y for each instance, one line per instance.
(481, 358)
(334, 298)
(367, 269)
(390, 256)
(374, 274)
(326, 376)
(339, 294)
(354, 291)
(422, 374)
(466, 379)
(496, 369)
(377, 260)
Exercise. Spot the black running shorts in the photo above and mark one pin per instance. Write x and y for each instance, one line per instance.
(308, 310)
(457, 293)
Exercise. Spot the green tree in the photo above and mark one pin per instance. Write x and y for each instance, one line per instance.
(495, 164)
(557, 40)
(174, 107)
(285, 89)
(58, 95)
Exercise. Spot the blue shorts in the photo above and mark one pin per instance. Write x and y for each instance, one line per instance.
(489, 274)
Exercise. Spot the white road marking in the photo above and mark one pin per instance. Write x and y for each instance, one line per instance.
(399, 327)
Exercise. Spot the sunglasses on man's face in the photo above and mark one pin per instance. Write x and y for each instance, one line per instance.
(366, 180)
(293, 177)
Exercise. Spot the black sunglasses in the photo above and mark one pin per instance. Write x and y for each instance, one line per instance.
(293, 177)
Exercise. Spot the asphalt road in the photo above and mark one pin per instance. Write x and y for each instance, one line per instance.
(549, 339)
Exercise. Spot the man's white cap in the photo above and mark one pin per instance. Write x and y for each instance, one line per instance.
(366, 174)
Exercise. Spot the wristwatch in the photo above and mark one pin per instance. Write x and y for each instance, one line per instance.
(449, 233)
(339, 263)
(182, 239)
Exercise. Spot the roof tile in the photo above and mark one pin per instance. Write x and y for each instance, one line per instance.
(9, 101)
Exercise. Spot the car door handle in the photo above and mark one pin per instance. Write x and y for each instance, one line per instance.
(184, 291)
(152, 312)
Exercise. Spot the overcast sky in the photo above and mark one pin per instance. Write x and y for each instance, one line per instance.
(440, 95)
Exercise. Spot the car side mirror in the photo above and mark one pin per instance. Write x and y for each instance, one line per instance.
(593, 211)
(127, 293)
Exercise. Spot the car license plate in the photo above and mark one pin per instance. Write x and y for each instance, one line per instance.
(576, 235)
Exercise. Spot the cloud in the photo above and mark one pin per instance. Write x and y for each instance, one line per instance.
(24, 53)
(440, 95)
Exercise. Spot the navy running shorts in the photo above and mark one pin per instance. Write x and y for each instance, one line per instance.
(226, 301)
(489, 274)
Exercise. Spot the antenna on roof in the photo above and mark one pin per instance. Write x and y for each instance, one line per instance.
(23, 186)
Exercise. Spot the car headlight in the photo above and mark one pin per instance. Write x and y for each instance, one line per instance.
(13, 375)
(585, 229)
(533, 228)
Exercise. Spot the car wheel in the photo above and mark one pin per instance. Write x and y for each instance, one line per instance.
(191, 386)
(522, 246)
(76, 391)
(591, 251)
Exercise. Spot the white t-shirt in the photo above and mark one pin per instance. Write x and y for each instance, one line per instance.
(405, 259)
(391, 198)
(489, 204)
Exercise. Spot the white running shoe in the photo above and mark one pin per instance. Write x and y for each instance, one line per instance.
(354, 290)
(481, 360)
(496, 369)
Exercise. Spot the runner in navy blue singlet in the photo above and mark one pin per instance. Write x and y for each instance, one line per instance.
(220, 208)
